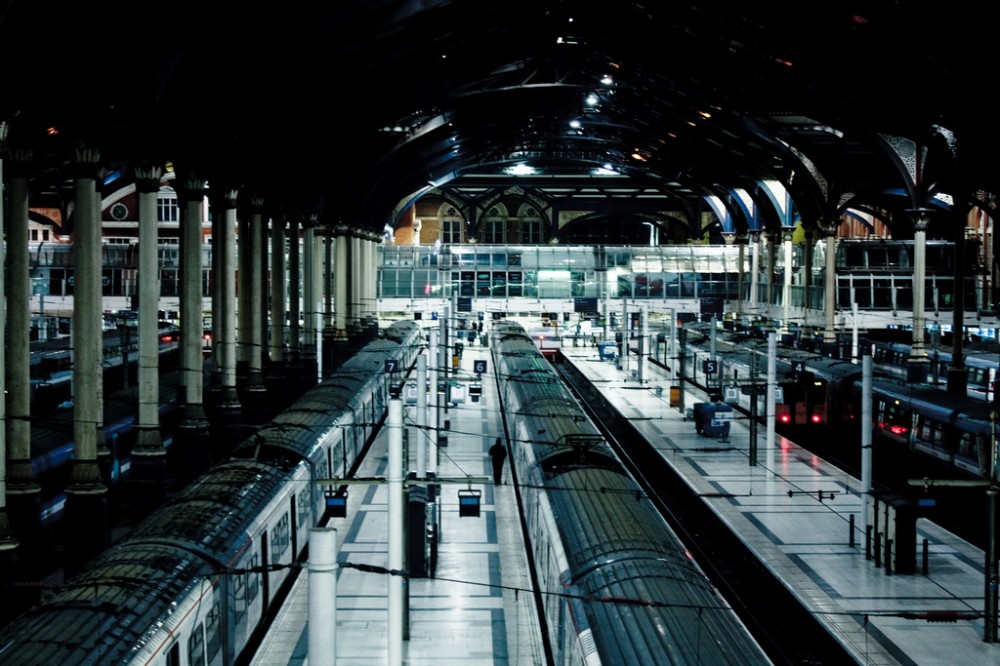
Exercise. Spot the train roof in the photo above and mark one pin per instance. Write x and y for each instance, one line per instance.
(87, 621)
(213, 514)
(641, 594)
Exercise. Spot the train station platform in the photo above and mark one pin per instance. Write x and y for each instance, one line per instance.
(476, 609)
(794, 512)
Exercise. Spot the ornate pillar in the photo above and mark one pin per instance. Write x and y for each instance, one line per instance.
(741, 243)
(228, 410)
(340, 283)
(355, 262)
(86, 495)
(294, 297)
(192, 443)
(243, 296)
(22, 491)
(807, 262)
(255, 395)
(918, 365)
(8, 542)
(371, 281)
(772, 260)
(829, 230)
(149, 457)
(755, 238)
(311, 290)
(332, 318)
(277, 339)
(786, 291)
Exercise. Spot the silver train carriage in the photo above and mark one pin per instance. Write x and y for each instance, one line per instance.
(195, 581)
(617, 583)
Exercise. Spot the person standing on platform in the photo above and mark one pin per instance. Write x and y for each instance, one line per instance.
(498, 452)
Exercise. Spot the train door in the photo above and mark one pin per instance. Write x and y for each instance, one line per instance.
(893, 420)
(266, 584)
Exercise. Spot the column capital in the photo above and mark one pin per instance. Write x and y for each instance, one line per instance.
(729, 237)
(20, 162)
(4, 129)
(86, 161)
(147, 177)
(256, 203)
(786, 234)
(828, 226)
(225, 197)
(921, 218)
(192, 187)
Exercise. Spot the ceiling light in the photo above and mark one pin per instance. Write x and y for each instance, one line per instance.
(521, 169)
(575, 124)
(592, 99)
(606, 80)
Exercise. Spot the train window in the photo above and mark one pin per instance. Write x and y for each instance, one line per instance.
(303, 505)
(213, 634)
(239, 595)
(280, 538)
(895, 420)
(174, 655)
(930, 431)
(196, 647)
(252, 582)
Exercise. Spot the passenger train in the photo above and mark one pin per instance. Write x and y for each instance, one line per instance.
(618, 585)
(825, 393)
(51, 363)
(195, 581)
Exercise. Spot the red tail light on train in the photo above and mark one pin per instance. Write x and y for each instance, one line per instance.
(783, 413)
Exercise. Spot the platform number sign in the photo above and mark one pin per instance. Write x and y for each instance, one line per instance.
(391, 365)
(798, 366)
(710, 366)
(479, 366)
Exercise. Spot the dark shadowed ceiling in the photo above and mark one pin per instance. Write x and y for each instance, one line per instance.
(349, 107)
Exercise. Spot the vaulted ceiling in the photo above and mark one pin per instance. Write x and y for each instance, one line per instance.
(347, 108)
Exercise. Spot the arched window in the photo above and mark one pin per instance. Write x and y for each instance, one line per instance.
(167, 209)
(531, 225)
(493, 227)
(451, 226)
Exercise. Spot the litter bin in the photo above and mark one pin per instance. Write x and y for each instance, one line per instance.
(711, 419)
(420, 532)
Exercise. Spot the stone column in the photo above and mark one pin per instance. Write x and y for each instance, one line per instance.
(229, 411)
(149, 457)
(340, 283)
(255, 395)
(294, 300)
(331, 319)
(23, 494)
(277, 367)
(772, 260)
(86, 495)
(311, 289)
(918, 364)
(192, 443)
(355, 261)
(243, 302)
(8, 541)
(786, 291)
(807, 262)
(278, 337)
(755, 238)
(741, 243)
(829, 231)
